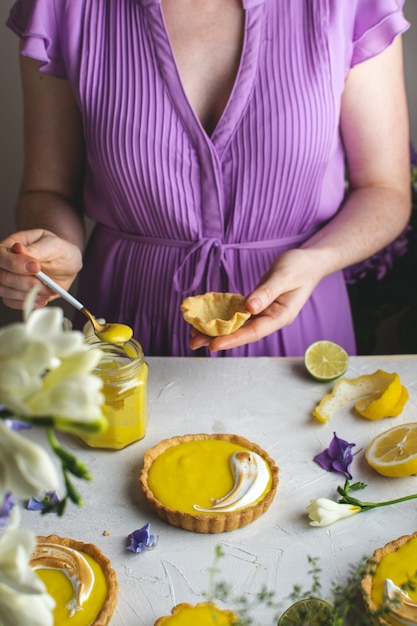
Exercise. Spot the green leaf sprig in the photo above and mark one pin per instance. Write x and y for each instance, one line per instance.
(366, 506)
(346, 600)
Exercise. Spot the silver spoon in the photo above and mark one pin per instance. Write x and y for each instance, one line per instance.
(111, 333)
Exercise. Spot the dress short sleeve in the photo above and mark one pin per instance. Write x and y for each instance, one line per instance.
(35, 21)
(377, 24)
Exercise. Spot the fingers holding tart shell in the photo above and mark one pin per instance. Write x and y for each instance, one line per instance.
(215, 313)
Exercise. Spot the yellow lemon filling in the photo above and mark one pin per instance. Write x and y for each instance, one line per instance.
(400, 567)
(61, 588)
(201, 475)
(204, 614)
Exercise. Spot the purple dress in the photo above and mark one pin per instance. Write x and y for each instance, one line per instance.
(179, 212)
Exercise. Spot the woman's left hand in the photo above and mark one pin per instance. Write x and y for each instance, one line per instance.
(275, 303)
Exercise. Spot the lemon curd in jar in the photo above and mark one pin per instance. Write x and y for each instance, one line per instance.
(125, 388)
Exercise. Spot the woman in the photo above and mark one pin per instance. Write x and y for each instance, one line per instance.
(209, 142)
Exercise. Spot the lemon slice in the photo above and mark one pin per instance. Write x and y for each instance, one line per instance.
(311, 611)
(376, 395)
(326, 360)
(393, 453)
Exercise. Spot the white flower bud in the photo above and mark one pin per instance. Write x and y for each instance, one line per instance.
(26, 469)
(324, 512)
(23, 596)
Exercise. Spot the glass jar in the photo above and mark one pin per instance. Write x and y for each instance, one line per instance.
(125, 388)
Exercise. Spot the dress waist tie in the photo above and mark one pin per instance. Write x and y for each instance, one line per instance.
(206, 252)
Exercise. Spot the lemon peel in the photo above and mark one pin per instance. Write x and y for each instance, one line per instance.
(377, 404)
(376, 395)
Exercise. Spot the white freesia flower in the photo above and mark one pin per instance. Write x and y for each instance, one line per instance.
(76, 397)
(324, 512)
(26, 469)
(23, 596)
(46, 371)
(45, 379)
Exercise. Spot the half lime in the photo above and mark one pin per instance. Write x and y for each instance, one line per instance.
(308, 612)
(325, 360)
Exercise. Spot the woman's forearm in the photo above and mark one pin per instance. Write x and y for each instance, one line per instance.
(370, 219)
(53, 212)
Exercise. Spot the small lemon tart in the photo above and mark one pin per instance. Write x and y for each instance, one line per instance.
(79, 578)
(385, 582)
(215, 313)
(203, 614)
(209, 483)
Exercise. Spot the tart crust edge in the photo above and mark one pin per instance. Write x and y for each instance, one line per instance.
(211, 522)
(105, 614)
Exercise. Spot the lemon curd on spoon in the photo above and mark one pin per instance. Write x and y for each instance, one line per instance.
(118, 334)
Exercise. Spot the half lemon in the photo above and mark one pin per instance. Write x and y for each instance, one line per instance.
(393, 452)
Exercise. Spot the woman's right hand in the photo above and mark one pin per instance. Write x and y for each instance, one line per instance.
(25, 253)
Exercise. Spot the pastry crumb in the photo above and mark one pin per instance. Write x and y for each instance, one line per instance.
(106, 533)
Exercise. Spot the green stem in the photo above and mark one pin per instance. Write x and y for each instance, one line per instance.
(72, 493)
(69, 463)
(366, 506)
(59, 423)
(42, 422)
(68, 460)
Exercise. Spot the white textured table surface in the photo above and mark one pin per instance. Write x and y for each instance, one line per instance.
(269, 401)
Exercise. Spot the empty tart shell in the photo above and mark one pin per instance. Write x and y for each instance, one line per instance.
(367, 585)
(226, 616)
(216, 522)
(38, 558)
(214, 313)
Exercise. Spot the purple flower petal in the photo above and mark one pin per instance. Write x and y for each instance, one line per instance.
(342, 467)
(325, 460)
(337, 457)
(6, 508)
(339, 448)
(39, 505)
(17, 424)
(142, 540)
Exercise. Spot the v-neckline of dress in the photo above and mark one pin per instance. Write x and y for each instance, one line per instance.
(243, 83)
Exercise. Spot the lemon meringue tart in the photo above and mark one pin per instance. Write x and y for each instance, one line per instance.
(202, 614)
(209, 483)
(390, 583)
(215, 313)
(79, 578)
